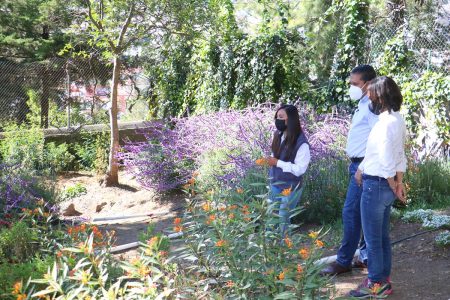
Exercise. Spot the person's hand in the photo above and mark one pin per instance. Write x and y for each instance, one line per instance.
(271, 161)
(358, 177)
(400, 192)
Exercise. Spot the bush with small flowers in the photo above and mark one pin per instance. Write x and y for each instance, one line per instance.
(236, 251)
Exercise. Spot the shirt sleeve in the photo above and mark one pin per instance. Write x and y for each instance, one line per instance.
(402, 161)
(386, 151)
(300, 164)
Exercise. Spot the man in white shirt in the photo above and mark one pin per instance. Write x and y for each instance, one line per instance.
(363, 120)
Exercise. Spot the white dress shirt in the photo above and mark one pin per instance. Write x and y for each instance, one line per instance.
(385, 153)
(362, 122)
(301, 161)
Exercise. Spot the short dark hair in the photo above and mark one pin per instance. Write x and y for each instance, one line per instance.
(385, 92)
(367, 72)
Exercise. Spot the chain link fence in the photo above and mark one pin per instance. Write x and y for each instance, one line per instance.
(61, 93)
(428, 45)
(67, 93)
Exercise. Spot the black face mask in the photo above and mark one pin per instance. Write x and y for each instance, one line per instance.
(280, 124)
(375, 108)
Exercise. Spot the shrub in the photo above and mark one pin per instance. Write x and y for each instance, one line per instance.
(17, 243)
(57, 157)
(223, 144)
(18, 190)
(443, 238)
(12, 274)
(427, 183)
(233, 242)
(23, 146)
(93, 151)
(74, 191)
(417, 215)
(436, 222)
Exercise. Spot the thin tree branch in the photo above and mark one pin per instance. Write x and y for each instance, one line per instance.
(125, 27)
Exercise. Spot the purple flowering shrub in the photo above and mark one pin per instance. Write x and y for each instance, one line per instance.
(19, 191)
(221, 146)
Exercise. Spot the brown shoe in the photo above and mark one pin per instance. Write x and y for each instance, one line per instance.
(334, 269)
(357, 264)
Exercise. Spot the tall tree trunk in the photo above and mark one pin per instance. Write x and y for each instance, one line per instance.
(112, 175)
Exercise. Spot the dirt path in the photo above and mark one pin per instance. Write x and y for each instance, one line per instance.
(129, 199)
(421, 270)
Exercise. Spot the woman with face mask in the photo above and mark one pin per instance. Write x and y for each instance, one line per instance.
(289, 161)
(381, 175)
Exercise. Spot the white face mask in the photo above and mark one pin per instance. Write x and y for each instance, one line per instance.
(355, 92)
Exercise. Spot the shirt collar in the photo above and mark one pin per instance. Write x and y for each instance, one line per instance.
(364, 99)
(385, 114)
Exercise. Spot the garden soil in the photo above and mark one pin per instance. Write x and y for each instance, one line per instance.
(421, 270)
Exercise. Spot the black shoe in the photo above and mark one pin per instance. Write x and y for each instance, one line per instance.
(335, 269)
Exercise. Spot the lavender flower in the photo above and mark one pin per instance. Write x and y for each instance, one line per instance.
(174, 151)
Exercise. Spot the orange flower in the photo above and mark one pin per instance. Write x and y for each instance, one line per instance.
(231, 216)
(195, 174)
(286, 192)
(239, 190)
(261, 161)
(288, 242)
(230, 283)
(299, 269)
(59, 254)
(223, 208)
(319, 243)
(178, 228)
(234, 206)
(304, 253)
(163, 253)
(247, 219)
(281, 276)
(211, 218)
(221, 243)
(313, 234)
(186, 186)
(22, 297)
(191, 181)
(152, 241)
(17, 287)
(177, 221)
(144, 271)
(206, 207)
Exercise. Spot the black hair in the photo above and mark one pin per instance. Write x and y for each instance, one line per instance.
(367, 72)
(292, 132)
(383, 91)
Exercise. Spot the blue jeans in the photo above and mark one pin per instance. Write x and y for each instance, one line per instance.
(287, 204)
(376, 202)
(351, 218)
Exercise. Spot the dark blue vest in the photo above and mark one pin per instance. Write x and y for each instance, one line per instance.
(286, 180)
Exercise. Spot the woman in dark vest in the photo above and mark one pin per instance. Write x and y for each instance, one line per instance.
(289, 161)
